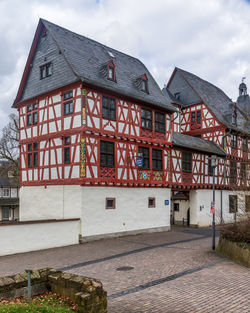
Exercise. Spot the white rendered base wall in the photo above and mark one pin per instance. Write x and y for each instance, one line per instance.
(131, 212)
(200, 205)
(88, 203)
(19, 238)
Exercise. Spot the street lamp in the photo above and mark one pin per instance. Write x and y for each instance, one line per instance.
(213, 165)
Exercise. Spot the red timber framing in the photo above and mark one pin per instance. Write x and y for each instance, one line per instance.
(83, 123)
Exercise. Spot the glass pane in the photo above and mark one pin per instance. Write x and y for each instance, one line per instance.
(110, 160)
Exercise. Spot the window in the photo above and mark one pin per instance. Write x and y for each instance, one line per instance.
(157, 159)
(233, 207)
(244, 144)
(159, 122)
(6, 192)
(234, 141)
(151, 202)
(108, 108)
(146, 118)
(68, 107)
(32, 115)
(32, 159)
(196, 117)
(176, 207)
(29, 120)
(243, 170)
(145, 153)
(110, 203)
(111, 73)
(67, 95)
(66, 150)
(144, 85)
(233, 169)
(192, 117)
(107, 154)
(187, 162)
(210, 168)
(6, 213)
(247, 203)
(45, 70)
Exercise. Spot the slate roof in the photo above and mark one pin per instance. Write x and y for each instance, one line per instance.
(171, 98)
(198, 144)
(216, 100)
(86, 58)
(5, 182)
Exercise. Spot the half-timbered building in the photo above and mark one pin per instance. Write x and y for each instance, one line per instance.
(208, 123)
(95, 136)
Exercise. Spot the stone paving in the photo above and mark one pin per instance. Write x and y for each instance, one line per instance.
(172, 272)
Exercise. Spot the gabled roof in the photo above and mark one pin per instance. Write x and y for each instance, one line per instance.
(215, 99)
(197, 144)
(171, 98)
(86, 58)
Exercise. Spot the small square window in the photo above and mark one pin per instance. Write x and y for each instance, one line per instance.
(28, 108)
(34, 106)
(67, 95)
(151, 202)
(110, 203)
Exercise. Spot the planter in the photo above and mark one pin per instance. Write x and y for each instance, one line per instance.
(233, 251)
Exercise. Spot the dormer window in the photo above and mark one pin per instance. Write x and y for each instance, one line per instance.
(144, 83)
(111, 73)
(45, 70)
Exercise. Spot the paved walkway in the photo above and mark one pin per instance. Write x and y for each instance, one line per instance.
(164, 272)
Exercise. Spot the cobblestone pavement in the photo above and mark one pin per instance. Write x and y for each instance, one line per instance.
(171, 272)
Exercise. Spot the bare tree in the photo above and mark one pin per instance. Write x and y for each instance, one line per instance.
(9, 142)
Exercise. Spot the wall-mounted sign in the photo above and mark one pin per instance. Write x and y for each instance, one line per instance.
(139, 161)
(166, 202)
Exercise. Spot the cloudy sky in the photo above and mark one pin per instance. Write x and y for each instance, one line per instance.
(208, 38)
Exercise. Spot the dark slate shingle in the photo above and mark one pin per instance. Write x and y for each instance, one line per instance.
(86, 57)
(216, 100)
(198, 144)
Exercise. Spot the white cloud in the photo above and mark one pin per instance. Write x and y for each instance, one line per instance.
(208, 38)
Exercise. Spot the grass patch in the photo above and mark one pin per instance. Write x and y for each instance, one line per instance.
(46, 303)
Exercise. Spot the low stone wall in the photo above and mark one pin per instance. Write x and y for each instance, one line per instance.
(86, 292)
(233, 251)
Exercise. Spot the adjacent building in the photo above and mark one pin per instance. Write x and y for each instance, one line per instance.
(206, 112)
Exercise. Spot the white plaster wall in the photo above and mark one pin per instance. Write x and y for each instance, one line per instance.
(131, 212)
(30, 237)
(204, 198)
(52, 202)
